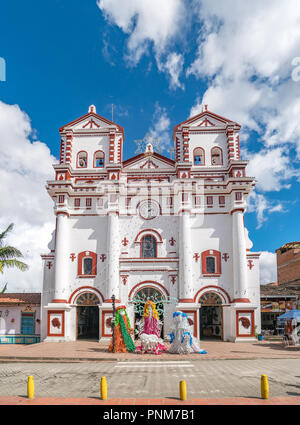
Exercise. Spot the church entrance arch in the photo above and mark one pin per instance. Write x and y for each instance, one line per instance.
(87, 317)
(141, 296)
(211, 316)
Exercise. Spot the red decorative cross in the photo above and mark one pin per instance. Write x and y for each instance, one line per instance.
(250, 264)
(124, 279)
(225, 256)
(125, 241)
(103, 257)
(49, 265)
(172, 241)
(72, 256)
(196, 256)
(173, 279)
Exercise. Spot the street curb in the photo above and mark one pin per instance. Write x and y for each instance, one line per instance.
(11, 359)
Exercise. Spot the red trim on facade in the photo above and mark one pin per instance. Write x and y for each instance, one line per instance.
(104, 312)
(186, 300)
(109, 300)
(241, 300)
(149, 286)
(208, 288)
(85, 287)
(252, 323)
(139, 238)
(63, 322)
(94, 161)
(237, 209)
(217, 256)
(81, 256)
(77, 158)
(59, 301)
(195, 320)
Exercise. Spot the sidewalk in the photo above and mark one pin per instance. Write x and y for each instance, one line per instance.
(95, 351)
(150, 402)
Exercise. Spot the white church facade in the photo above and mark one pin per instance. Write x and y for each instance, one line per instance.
(171, 230)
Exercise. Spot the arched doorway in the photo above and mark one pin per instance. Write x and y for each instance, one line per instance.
(211, 320)
(139, 300)
(87, 316)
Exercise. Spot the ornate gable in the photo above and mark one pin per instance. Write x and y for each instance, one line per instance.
(144, 162)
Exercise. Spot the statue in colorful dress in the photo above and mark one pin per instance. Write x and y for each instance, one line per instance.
(123, 332)
(149, 329)
(182, 340)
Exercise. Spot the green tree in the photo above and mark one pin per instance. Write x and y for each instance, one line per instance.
(9, 255)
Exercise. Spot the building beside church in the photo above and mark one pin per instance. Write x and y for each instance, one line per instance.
(171, 230)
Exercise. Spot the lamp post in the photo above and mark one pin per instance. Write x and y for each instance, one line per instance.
(113, 298)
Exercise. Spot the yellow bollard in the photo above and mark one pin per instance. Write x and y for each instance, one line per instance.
(30, 387)
(103, 388)
(264, 387)
(182, 390)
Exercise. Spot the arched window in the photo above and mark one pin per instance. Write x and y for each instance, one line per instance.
(199, 156)
(88, 266)
(211, 262)
(148, 247)
(216, 156)
(99, 159)
(82, 159)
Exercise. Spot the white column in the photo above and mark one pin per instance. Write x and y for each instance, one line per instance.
(113, 256)
(239, 256)
(185, 257)
(61, 258)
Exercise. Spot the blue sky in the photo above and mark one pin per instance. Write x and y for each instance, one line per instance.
(157, 63)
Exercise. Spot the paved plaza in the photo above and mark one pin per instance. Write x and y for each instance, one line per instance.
(153, 379)
(95, 351)
(70, 373)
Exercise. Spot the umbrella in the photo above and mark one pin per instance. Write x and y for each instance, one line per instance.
(289, 315)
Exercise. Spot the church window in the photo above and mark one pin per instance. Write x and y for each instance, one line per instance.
(148, 247)
(197, 200)
(61, 199)
(216, 156)
(211, 262)
(210, 200)
(238, 196)
(82, 160)
(77, 202)
(221, 201)
(88, 202)
(99, 159)
(88, 266)
(199, 156)
(210, 265)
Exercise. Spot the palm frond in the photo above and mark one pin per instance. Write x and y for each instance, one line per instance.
(13, 263)
(7, 252)
(4, 234)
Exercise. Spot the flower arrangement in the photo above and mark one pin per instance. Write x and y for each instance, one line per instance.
(12, 320)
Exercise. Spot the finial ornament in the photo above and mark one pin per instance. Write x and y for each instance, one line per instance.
(92, 109)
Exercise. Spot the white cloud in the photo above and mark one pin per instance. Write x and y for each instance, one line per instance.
(173, 66)
(258, 203)
(267, 267)
(149, 24)
(26, 165)
(160, 130)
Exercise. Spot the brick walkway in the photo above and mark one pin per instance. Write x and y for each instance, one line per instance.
(92, 350)
(149, 402)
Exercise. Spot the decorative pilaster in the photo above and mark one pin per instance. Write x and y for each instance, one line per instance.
(61, 258)
(113, 255)
(185, 258)
(239, 257)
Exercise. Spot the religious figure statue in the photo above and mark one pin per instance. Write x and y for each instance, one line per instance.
(182, 340)
(123, 332)
(149, 329)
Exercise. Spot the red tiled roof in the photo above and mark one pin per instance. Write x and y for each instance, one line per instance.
(20, 298)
